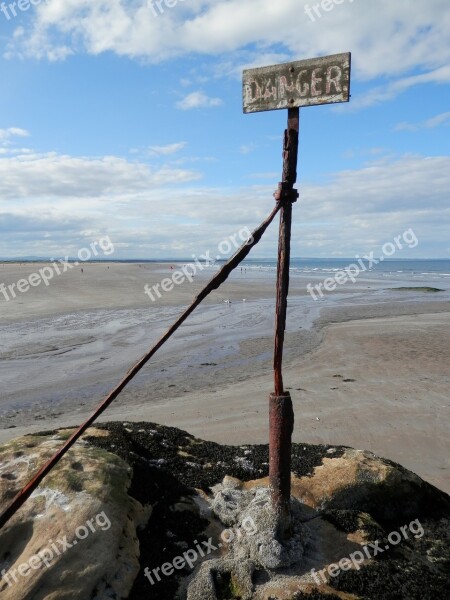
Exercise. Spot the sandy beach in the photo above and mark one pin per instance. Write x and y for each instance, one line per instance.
(367, 367)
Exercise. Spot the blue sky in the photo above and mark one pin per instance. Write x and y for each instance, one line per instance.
(118, 119)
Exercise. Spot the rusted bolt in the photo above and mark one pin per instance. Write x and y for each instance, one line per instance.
(291, 101)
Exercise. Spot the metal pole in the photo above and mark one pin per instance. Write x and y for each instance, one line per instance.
(281, 414)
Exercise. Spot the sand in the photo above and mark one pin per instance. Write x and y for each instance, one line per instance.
(367, 367)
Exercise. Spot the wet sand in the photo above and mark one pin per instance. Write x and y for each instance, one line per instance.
(367, 367)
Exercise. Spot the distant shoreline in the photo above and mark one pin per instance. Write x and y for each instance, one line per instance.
(266, 259)
(40, 261)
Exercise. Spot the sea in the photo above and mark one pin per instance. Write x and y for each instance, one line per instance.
(438, 269)
(424, 272)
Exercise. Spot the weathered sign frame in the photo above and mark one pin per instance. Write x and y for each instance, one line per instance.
(311, 82)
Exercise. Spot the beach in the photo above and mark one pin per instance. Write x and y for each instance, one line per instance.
(366, 365)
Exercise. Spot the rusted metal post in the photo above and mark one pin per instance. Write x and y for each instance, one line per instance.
(281, 413)
(311, 82)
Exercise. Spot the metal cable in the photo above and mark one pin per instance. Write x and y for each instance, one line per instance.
(213, 284)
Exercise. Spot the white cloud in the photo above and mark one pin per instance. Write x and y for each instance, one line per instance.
(59, 176)
(387, 38)
(198, 100)
(247, 148)
(168, 149)
(62, 198)
(441, 119)
(361, 209)
(392, 90)
(7, 134)
(407, 45)
(8, 142)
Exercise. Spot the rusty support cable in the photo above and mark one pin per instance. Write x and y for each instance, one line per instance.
(212, 285)
(281, 414)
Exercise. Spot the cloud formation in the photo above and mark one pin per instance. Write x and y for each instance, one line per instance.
(198, 100)
(437, 121)
(388, 39)
(167, 149)
(59, 176)
(11, 132)
(56, 203)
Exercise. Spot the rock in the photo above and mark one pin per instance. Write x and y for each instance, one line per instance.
(222, 578)
(250, 511)
(359, 480)
(228, 504)
(167, 493)
(77, 532)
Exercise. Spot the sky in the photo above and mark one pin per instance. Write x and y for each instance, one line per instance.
(123, 118)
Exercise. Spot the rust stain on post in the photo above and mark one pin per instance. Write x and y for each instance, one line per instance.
(281, 411)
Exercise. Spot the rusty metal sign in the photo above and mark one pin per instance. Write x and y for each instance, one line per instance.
(324, 80)
(292, 85)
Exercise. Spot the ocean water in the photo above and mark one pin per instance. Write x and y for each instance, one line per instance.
(420, 270)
